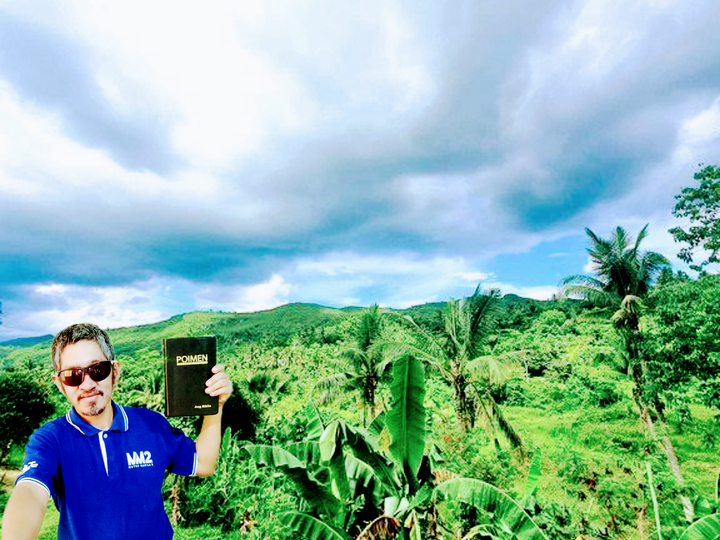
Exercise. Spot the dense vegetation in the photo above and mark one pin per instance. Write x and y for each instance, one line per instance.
(594, 415)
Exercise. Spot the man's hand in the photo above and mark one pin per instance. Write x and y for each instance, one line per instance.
(219, 384)
(207, 444)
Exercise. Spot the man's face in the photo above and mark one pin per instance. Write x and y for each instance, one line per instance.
(91, 398)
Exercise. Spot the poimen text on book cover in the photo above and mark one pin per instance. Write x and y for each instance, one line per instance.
(188, 365)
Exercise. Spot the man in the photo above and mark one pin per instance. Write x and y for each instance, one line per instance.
(104, 464)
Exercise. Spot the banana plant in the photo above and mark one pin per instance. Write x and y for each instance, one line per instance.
(336, 491)
(534, 474)
(404, 480)
(707, 528)
(350, 485)
(508, 519)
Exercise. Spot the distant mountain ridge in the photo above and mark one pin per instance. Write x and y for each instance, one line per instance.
(27, 341)
(280, 322)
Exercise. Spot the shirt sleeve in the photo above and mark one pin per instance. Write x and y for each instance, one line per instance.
(41, 464)
(183, 457)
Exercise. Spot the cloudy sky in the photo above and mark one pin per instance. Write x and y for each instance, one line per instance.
(160, 157)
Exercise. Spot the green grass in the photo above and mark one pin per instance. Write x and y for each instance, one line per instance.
(52, 518)
(15, 459)
(50, 523)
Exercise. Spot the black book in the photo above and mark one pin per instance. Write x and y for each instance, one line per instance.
(188, 364)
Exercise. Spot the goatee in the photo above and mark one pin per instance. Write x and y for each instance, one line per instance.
(94, 410)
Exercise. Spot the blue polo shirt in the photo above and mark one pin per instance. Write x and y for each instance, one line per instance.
(107, 484)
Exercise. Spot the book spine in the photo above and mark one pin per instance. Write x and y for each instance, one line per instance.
(165, 369)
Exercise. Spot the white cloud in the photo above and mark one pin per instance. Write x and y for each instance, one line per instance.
(244, 298)
(48, 308)
(441, 135)
(698, 136)
(397, 281)
(346, 262)
(51, 289)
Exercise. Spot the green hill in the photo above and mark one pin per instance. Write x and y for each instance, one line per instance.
(556, 370)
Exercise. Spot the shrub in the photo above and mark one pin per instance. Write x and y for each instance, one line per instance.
(24, 406)
(239, 496)
(241, 416)
(556, 522)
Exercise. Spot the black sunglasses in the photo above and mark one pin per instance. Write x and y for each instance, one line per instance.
(75, 376)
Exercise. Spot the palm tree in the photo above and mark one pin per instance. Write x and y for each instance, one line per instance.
(624, 274)
(621, 269)
(368, 368)
(147, 391)
(457, 354)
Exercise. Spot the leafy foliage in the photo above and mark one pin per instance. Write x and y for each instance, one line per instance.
(707, 528)
(368, 367)
(621, 268)
(406, 418)
(238, 496)
(24, 405)
(557, 369)
(701, 205)
(311, 527)
(352, 476)
(682, 337)
(508, 519)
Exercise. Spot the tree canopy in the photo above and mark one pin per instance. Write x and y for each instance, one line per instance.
(682, 336)
(621, 268)
(701, 205)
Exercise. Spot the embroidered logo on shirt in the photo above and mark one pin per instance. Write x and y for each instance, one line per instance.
(30, 465)
(139, 459)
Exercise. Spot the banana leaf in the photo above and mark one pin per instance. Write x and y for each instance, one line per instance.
(316, 494)
(707, 528)
(507, 514)
(376, 426)
(340, 434)
(406, 419)
(311, 528)
(360, 475)
(533, 477)
(273, 456)
(315, 425)
(308, 452)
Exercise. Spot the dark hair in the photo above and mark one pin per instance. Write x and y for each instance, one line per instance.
(80, 332)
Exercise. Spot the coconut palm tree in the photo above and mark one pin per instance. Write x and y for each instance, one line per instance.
(367, 366)
(624, 274)
(466, 326)
(620, 267)
(458, 354)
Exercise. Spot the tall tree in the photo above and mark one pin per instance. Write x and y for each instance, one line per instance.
(624, 274)
(367, 366)
(701, 205)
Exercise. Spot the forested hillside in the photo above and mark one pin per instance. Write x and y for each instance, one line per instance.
(482, 418)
